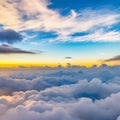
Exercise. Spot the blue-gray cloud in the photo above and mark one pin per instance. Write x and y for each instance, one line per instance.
(73, 93)
(9, 36)
(7, 49)
(77, 93)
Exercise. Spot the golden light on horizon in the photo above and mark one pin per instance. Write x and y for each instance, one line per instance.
(52, 64)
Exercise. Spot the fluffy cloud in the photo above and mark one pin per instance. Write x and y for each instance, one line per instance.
(107, 78)
(28, 105)
(77, 93)
(7, 49)
(9, 36)
(36, 16)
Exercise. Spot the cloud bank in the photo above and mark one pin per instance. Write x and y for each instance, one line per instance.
(60, 93)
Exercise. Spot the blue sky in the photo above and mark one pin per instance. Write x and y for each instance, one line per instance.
(88, 31)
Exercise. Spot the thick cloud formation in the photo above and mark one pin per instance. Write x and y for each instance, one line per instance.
(77, 93)
(30, 106)
(7, 49)
(9, 36)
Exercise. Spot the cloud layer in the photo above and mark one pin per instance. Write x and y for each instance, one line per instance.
(60, 93)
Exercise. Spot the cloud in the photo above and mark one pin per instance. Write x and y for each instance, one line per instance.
(60, 93)
(118, 118)
(29, 105)
(96, 36)
(36, 16)
(74, 81)
(68, 57)
(7, 49)
(116, 58)
(9, 36)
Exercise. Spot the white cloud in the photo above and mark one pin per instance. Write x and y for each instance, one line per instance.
(83, 108)
(60, 94)
(110, 36)
(38, 17)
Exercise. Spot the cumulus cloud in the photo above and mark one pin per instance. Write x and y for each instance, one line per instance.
(116, 58)
(35, 15)
(77, 93)
(9, 36)
(7, 49)
(28, 105)
(107, 78)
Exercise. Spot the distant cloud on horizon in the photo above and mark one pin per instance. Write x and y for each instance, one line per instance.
(116, 58)
(68, 57)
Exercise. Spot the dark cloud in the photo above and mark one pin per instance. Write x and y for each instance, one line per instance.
(116, 58)
(9, 36)
(7, 49)
(68, 57)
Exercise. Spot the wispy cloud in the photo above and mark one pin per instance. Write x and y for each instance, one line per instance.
(110, 36)
(7, 49)
(116, 58)
(36, 16)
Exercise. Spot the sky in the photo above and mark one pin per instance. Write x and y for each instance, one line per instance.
(53, 32)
